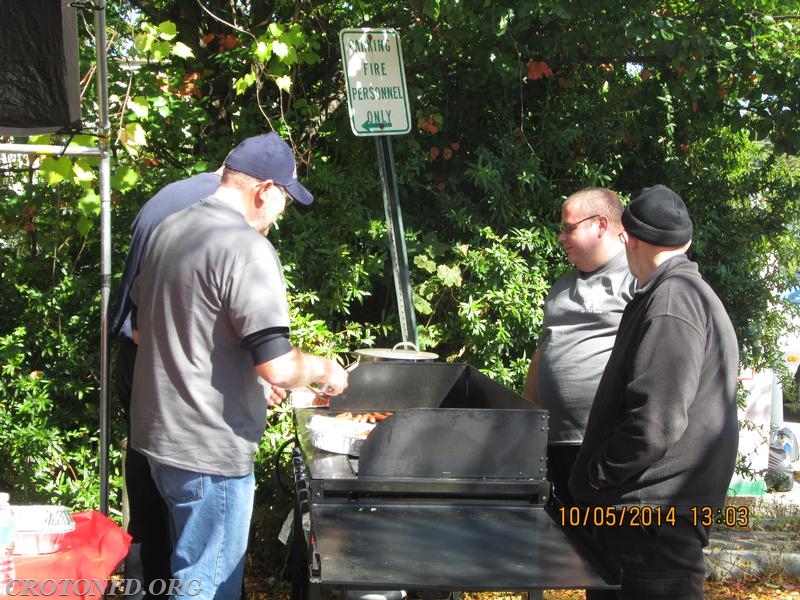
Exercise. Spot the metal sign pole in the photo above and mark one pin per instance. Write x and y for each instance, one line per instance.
(397, 242)
(378, 104)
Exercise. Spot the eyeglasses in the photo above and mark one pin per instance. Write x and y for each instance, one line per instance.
(568, 228)
(623, 237)
(286, 196)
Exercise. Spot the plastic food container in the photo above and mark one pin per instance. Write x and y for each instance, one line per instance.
(341, 436)
(41, 528)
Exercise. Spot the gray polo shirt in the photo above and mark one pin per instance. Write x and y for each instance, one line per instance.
(582, 312)
(207, 280)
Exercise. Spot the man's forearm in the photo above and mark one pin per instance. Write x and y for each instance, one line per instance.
(531, 391)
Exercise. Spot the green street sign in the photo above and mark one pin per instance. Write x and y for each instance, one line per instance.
(376, 81)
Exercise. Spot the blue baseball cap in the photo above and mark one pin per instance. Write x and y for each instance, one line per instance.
(267, 156)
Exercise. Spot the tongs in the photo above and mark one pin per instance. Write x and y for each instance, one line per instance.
(322, 398)
(322, 395)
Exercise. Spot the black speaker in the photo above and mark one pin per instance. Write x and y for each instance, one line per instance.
(39, 70)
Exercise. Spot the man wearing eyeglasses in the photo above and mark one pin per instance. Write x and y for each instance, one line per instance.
(662, 434)
(581, 314)
(211, 321)
(148, 521)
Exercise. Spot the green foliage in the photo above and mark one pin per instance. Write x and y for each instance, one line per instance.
(273, 496)
(48, 362)
(516, 105)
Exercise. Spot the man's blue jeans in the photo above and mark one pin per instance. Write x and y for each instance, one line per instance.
(210, 521)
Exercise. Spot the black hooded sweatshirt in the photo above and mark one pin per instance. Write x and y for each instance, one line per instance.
(663, 427)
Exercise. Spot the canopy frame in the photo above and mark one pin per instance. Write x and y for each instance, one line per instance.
(104, 181)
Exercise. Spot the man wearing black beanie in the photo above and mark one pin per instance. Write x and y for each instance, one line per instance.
(662, 435)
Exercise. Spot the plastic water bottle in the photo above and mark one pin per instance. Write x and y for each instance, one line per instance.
(7, 538)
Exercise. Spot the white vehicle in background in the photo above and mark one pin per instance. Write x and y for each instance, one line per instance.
(790, 394)
(791, 349)
(770, 409)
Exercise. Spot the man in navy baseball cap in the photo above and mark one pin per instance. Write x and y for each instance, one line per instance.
(213, 329)
(269, 157)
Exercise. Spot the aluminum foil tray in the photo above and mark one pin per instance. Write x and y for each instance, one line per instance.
(338, 435)
(40, 528)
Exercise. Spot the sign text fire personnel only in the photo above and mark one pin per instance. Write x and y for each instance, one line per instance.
(376, 83)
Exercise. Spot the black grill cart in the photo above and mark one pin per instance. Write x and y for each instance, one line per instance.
(446, 494)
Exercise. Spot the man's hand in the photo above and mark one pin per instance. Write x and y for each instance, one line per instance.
(296, 370)
(335, 380)
(275, 396)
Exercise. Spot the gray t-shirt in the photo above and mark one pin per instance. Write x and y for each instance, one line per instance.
(207, 280)
(582, 312)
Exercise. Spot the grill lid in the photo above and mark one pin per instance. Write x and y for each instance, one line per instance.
(397, 352)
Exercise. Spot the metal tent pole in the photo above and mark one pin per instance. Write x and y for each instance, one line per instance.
(48, 149)
(102, 151)
(105, 243)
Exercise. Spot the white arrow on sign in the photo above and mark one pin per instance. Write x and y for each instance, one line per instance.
(376, 82)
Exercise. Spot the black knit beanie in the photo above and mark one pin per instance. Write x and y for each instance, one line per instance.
(658, 216)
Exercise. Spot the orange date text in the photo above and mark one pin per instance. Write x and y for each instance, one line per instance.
(617, 516)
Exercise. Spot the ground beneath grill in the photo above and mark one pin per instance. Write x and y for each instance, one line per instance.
(773, 587)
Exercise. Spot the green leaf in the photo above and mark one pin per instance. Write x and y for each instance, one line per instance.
(421, 305)
(430, 8)
(284, 83)
(83, 171)
(56, 170)
(133, 137)
(143, 43)
(181, 50)
(241, 84)
(124, 179)
(280, 49)
(139, 107)
(84, 140)
(167, 30)
(425, 263)
(162, 106)
(263, 51)
(89, 203)
(84, 225)
(160, 50)
(450, 276)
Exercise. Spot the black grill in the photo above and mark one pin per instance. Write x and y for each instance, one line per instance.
(448, 493)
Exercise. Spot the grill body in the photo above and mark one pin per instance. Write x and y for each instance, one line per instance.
(447, 494)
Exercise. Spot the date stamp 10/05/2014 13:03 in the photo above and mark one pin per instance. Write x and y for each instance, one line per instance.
(652, 516)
